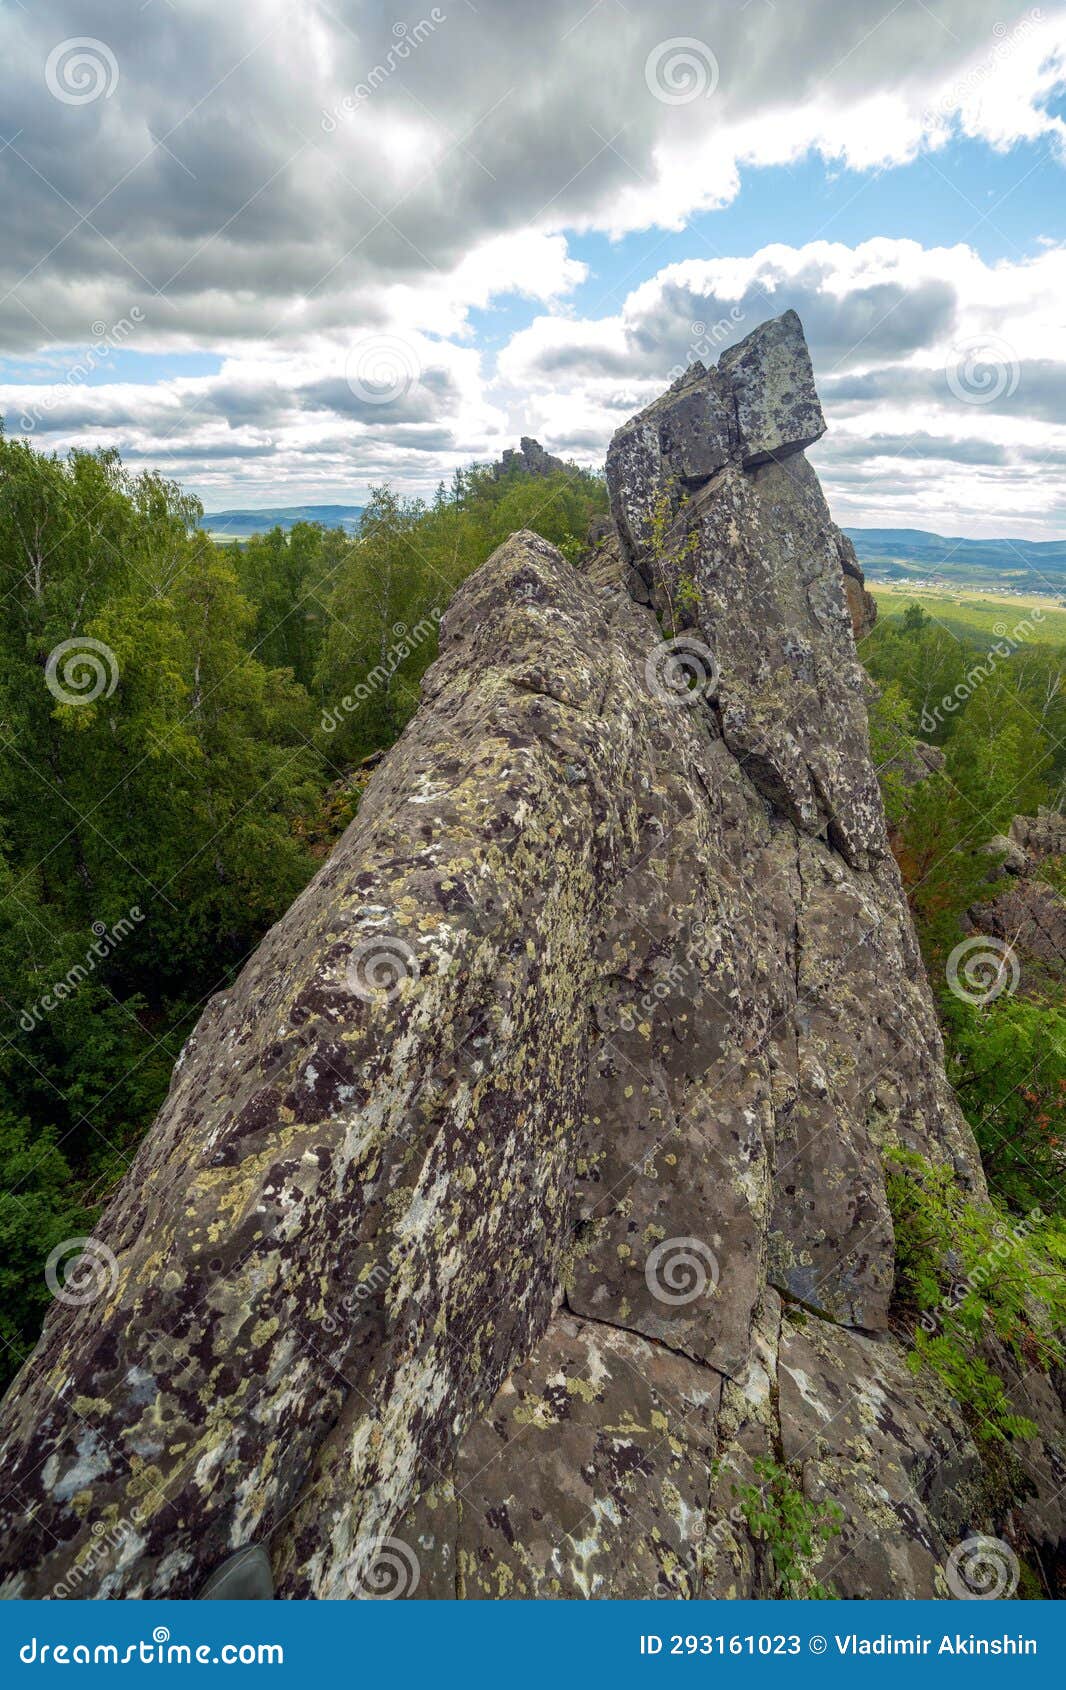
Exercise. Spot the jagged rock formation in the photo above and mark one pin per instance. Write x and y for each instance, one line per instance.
(1027, 913)
(915, 761)
(526, 1187)
(530, 459)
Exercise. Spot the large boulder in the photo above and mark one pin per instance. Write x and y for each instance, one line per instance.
(769, 372)
(458, 1250)
(1040, 836)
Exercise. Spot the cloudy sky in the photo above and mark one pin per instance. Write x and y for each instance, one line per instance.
(284, 249)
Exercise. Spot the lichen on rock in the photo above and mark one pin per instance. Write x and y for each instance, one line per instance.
(481, 1207)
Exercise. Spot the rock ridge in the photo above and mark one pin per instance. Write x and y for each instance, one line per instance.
(526, 1187)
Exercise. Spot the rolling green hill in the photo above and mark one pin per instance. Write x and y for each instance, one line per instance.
(908, 553)
(238, 525)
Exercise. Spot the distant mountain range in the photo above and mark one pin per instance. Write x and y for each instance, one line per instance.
(886, 554)
(238, 525)
(896, 554)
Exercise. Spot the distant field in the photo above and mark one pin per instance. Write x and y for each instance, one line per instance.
(985, 617)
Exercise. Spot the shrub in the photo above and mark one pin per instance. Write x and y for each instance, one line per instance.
(971, 1272)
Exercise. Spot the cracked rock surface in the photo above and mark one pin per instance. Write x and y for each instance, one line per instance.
(526, 1187)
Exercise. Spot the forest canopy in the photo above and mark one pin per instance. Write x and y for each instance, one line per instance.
(177, 755)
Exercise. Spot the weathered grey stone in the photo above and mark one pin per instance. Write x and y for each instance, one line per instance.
(1027, 913)
(763, 570)
(1042, 835)
(589, 1476)
(778, 412)
(914, 761)
(453, 1249)
(529, 459)
(862, 605)
(674, 445)
(1030, 916)
(1011, 858)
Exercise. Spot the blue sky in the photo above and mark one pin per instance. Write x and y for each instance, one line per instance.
(264, 252)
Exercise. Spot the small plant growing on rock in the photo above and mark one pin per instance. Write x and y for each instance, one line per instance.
(668, 554)
(792, 1529)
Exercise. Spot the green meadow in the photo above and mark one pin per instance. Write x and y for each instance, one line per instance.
(979, 616)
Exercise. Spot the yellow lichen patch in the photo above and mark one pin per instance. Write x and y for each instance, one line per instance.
(144, 1482)
(87, 1406)
(534, 1411)
(582, 1388)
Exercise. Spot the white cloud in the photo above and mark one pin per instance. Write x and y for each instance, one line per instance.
(943, 376)
(280, 182)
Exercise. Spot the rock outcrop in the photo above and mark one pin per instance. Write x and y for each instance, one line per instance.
(1027, 912)
(530, 459)
(915, 761)
(526, 1188)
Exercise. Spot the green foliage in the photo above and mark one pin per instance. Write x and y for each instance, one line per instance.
(39, 1209)
(389, 590)
(1007, 1062)
(975, 615)
(151, 833)
(1053, 871)
(146, 822)
(371, 663)
(793, 1529)
(891, 727)
(1001, 720)
(998, 709)
(672, 544)
(973, 1274)
(288, 578)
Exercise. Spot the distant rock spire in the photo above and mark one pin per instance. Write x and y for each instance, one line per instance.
(530, 459)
